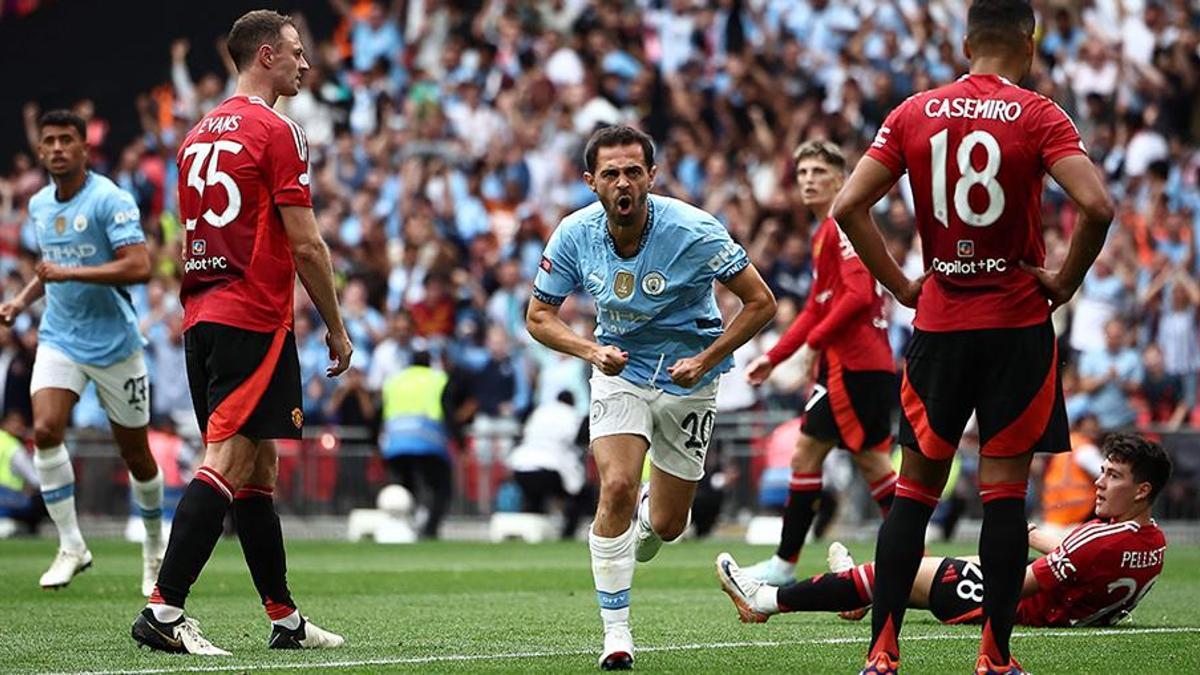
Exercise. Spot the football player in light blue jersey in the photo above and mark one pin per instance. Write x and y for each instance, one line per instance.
(649, 262)
(90, 235)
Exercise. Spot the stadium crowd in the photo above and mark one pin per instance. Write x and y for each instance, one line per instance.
(446, 142)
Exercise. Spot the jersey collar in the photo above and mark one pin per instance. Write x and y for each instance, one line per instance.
(612, 245)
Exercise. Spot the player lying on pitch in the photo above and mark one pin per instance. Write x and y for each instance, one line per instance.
(1094, 576)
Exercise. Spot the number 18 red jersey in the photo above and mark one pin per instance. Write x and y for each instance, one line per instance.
(236, 168)
(976, 152)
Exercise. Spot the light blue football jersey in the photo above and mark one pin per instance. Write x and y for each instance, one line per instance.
(659, 304)
(93, 324)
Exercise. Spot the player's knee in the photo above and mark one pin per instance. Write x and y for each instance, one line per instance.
(809, 455)
(47, 434)
(668, 526)
(619, 495)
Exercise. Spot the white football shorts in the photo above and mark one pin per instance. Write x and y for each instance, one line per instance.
(678, 428)
(123, 387)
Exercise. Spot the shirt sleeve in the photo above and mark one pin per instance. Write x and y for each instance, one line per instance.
(1059, 137)
(719, 253)
(121, 219)
(858, 287)
(888, 146)
(286, 164)
(558, 272)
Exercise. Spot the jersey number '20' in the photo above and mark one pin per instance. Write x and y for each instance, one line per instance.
(213, 176)
(968, 176)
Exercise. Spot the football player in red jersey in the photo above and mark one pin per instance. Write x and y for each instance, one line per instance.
(842, 325)
(1095, 576)
(976, 152)
(245, 201)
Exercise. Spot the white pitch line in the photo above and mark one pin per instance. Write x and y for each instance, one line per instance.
(449, 658)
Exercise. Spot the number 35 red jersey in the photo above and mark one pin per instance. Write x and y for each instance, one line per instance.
(236, 168)
(976, 152)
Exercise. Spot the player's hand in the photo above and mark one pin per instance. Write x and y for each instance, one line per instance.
(47, 271)
(340, 350)
(908, 294)
(609, 359)
(1052, 286)
(687, 372)
(9, 312)
(759, 370)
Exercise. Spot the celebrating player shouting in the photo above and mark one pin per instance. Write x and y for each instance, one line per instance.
(90, 234)
(244, 198)
(842, 325)
(976, 152)
(1094, 576)
(649, 262)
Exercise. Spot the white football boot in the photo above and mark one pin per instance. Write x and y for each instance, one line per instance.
(618, 648)
(64, 568)
(754, 600)
(180, 637)
(307, 636)
(774, 571)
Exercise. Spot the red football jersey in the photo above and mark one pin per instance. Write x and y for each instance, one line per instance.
(236, 168)
(1096, 576)
(976, 152)
(844, 310)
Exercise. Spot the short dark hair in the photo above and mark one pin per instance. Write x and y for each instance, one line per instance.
(1147, 460)
(1002, 23)
(63, 118)
(251, 31)
(825, 151)
(613, 136)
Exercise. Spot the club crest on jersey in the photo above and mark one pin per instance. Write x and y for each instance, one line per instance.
(654, 283)
(199, 246)
(60, 224)
(966, 248)
(623, 284)
(545, 265)
(297, 417)
(80, 223)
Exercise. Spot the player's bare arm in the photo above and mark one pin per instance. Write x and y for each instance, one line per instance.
(869, 182)
(33, 291)
(546, 327)
(316, 273)
(758, 306)
(1042, 542)
(1080, 179)
(130, 266)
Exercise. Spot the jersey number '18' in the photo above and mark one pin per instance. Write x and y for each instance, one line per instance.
(968, 176)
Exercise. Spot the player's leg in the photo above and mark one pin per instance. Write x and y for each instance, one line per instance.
(1022, 412)
(937, 395)
(261, 537)
(439, 480)
(876, 469)
(124, 393)
(682, 429)
(55, 385)
(1003, 544)
(803, 501)
(612, 540)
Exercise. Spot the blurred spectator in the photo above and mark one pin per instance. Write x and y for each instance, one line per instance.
(1161, 391)
(414, 441)
(548, 463)
(351, 404)
(1068, 493)
(1109, 376)
(21, 502)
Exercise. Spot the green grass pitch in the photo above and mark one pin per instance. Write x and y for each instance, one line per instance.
(455, 607)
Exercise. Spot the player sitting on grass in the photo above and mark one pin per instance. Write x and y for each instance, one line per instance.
(1094, 576)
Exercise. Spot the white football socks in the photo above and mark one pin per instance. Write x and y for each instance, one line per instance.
(148, 496)
(165, 613)
(612, 570)
(290, 622)
(57, 478)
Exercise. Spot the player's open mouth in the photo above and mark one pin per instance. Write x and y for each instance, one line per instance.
(624, 203)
